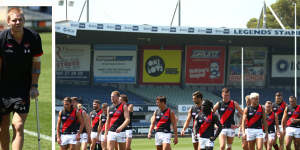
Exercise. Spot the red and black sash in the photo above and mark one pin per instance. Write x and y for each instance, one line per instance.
(228, 112)
(294, 116)
(281, 108)
(69, 121)
(116, 116)
(256, 117)
(96, 119)
(205, 124)
(164, 120)
(270, 120)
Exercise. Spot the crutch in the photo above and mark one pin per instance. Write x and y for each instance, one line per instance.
(38, 123)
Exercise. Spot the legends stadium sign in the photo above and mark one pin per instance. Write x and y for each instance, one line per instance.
(70, 28)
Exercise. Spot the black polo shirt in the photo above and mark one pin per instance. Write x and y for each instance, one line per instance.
(16, 73)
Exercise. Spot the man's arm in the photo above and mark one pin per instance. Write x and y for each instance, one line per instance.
(244, 120)
(126, 121)
(216, 107)
(58, 128)
(264, 120)
(217, 122)
(174, 124)
(36, 69)
(107, 123)
(130, 108)
(151, 125)
(187, 122)
(284, 119)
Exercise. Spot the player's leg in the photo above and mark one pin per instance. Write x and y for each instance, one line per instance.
(229, 142)
(18, 121)
(4, 131)
(222, 139)
(288, 142)
(281, 139)
(166, 146)
(128, 143)
(93, 144)
(260, 143)
(195, 141)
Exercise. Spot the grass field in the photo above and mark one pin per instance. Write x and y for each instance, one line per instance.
(183, 144)
(45, 105)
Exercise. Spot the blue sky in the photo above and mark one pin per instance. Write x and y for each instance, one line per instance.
(197, 13)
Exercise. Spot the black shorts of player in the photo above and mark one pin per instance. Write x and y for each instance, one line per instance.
(19, 105)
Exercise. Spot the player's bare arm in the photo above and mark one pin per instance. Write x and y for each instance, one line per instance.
(244, 120)
(36, 70)
(187, 122)
(174, 124)
(58, 128)
(151, 125)
(216, 107)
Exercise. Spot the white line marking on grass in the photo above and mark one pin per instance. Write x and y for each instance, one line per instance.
(42, 136)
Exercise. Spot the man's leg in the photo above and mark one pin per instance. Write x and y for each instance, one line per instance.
(260, 143)
(251, 144)
(104, 145)
(281, 140)
(111, 145)
(18, 122)
(297, 143)
(122, 146)
(84, 145)
(166, 146)
(4, 131)
(222, 139)
(93, 144)
(229, 142)
(128, 143)
(288, 142)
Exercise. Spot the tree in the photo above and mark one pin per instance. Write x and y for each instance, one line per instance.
(284, 9)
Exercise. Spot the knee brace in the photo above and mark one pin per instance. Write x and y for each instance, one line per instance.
(228, 146)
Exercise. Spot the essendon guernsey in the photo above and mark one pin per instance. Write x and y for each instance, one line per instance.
(279, 109)
(95, 115)
(116, 114)
(163, 120)
(194, 111)
(293, 113)
(69, 121)
(103, 121)
(226, 111)
(254, 116)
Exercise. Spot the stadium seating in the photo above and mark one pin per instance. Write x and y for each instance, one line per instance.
(175, 94)
(88, 93)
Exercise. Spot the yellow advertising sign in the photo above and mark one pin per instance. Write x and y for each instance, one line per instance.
(161, 66)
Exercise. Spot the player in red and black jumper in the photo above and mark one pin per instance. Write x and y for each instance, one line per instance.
(20, 66)
(101, 127)
(86, 132)
(193, 111)
(117, 120)
(291, 124)
(226, 109)
(128, 129)
(252, 123)
(279, 107)
(272, 121)
(205, 122)
(95, 116)
(69, 135)
(161, 122)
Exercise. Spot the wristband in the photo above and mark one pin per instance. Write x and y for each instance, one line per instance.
(34, 85)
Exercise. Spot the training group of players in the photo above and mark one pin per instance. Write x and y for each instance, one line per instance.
(259, 125)
(105, 128)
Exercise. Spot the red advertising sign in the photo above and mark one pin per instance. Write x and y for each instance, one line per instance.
(205, 64)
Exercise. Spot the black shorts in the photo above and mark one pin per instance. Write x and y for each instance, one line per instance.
(20, 105)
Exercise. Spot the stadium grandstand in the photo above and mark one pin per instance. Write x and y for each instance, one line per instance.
(145, 61)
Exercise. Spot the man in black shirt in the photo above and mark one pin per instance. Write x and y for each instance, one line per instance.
(20, 51)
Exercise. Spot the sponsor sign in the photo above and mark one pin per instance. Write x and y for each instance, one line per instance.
(205, 65)
(72, 62)
(184, 108)
(174, 30)
(161, 66)
(284, 66)
(254, 66)
(115, 66)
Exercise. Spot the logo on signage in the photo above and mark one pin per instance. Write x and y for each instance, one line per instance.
(155, 66)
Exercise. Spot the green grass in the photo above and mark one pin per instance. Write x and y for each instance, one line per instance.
(45, 105)
(183, 144)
